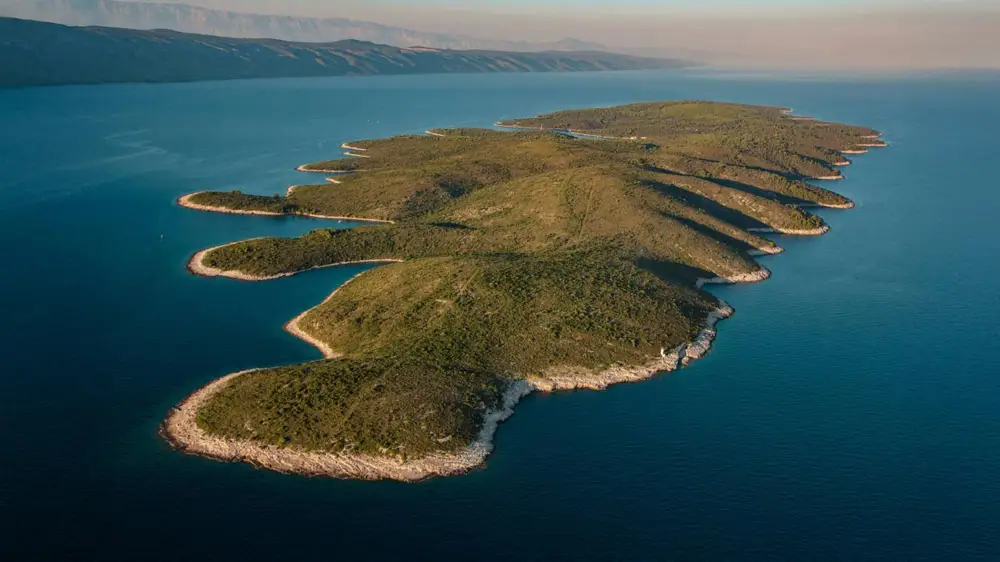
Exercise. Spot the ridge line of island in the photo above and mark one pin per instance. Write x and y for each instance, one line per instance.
(582, 135)
(198, 424)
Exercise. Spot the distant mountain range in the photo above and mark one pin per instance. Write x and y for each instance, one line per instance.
(39, 53)
(193, 19)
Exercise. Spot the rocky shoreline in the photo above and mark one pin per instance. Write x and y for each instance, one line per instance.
(185, 201)
(183, 433)
(181, 429)
(294, 325)
(197, 266)
(847, 205)
(792, 232)
(761, 274)
(307, 169)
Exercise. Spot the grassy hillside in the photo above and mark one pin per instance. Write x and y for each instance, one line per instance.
(430, 344)
(37, 53)
(526, 254)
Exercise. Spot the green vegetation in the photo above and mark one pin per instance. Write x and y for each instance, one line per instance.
(752, 137)
(431, 343)
(372, 405)
(526, 253)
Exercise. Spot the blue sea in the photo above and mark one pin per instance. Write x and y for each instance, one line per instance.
(850, 410)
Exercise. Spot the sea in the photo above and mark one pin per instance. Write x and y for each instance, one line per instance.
(850, 410)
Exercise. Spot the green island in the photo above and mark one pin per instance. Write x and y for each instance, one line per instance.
(569, 251)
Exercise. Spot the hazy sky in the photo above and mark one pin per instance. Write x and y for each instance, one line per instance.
(579, 8)
(837, 33)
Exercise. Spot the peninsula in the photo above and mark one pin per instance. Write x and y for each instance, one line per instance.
(569, 251)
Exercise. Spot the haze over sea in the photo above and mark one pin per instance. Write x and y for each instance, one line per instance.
(849, 411)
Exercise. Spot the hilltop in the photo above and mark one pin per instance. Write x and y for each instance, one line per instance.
(568, 254)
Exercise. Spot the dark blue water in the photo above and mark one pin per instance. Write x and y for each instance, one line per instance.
(850, 410)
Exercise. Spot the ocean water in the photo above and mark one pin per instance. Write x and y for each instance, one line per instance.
(849, 411)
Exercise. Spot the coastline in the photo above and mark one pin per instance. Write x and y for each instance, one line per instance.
(761, 274)
(292, 188)
(792, 232)
(305, 168)
(181, 430)
(773, 251)
(185, 201)
(848, 205)
(196, 265)
(293, 327)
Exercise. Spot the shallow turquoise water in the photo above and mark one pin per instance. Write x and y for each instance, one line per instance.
(848, 411)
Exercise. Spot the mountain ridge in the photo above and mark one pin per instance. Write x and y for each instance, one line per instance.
(226, 23)
(34, 53)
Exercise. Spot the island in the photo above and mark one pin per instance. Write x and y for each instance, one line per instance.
(565, 251)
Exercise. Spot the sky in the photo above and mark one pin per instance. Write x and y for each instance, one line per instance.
(806, 33)
(579, 8)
